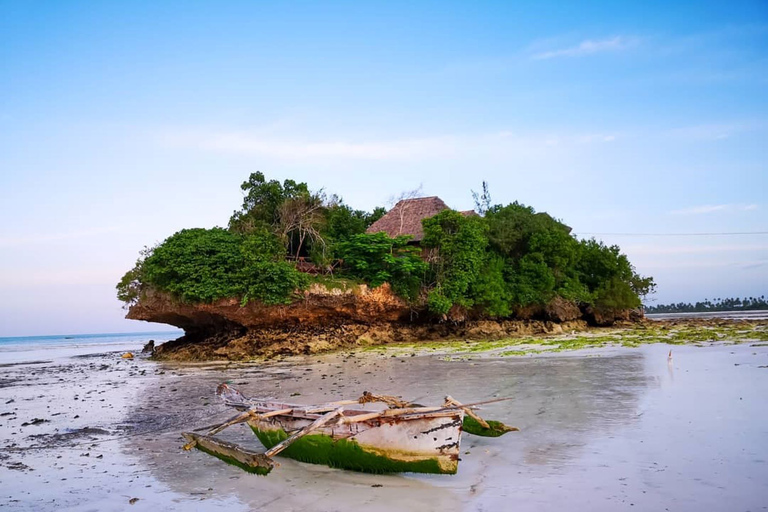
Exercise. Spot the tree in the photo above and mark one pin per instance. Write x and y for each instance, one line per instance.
(377, 259)
(482, 200)
(458, 246)
(204, 265)
(300, 220)
(610, 277)
(197, 265)
(511, 227)
(263, 201)
(265, 275)
(341, 221)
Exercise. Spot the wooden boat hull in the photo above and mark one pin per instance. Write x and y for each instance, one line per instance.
(418, 443)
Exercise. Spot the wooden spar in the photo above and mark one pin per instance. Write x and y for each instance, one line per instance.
(480, 427)
(469, 412)
(240, 418)
(233, 421)
(217, 425)
(270, 413)
(319, 422)
(360, 417)
(328, 406)
(415, 410)
(230, 452)
(389, 413)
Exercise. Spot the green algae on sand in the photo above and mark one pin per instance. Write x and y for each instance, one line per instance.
(630, 337)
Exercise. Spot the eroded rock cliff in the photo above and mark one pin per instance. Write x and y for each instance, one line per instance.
(325, 319)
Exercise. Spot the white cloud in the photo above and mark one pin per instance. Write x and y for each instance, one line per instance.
(691, 265)
(657, 250)
(711, 208)
(496, 144)
(65, 276)
(706, 132)
(699, 210)
(13, 241)
(588, 47)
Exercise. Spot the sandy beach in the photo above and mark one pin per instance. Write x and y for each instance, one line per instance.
(601, 429)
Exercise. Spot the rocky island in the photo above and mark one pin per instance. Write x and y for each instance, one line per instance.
(297, 271)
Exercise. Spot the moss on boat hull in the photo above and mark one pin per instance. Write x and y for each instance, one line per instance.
(348, 454)
(471, 426)
(256, 470)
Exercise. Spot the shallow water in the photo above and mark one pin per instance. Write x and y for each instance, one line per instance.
(34, 348)
(601, 430)
(725, 315)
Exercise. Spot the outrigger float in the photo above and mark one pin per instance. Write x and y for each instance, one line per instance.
(404, 437)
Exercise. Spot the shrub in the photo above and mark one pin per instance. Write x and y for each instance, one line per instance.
(197, 265)
(377, 259)
(204, 265)
(459, 252)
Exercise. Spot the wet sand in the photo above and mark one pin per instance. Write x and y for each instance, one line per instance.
(602, 429)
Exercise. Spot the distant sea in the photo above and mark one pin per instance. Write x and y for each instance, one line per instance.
(729, 315)
(48, 348)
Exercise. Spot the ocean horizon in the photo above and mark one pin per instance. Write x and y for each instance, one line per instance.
(17, 349)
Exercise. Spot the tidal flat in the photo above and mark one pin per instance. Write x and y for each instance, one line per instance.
(608, 422)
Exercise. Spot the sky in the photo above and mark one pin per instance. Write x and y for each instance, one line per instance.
(644, 124)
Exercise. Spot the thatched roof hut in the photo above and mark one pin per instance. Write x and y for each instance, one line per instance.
(406, 216)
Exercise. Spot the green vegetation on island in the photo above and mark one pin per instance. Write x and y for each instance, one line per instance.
(286, 236)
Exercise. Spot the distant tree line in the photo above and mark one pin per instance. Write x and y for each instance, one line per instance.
(508, 257)
(728, 304)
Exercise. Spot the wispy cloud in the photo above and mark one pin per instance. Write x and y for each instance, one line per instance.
(712, 208)
(658, 250)
(754, 264)
(662, 264)
(416, 148)
(13, 241)
(716, 131)
(54, 277)
(588, 47)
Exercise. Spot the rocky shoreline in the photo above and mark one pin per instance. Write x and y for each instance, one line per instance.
(326, 319)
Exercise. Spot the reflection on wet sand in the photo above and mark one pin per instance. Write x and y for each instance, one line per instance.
(560, 403)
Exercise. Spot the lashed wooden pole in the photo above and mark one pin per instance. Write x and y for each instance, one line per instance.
(230, 452)
(469, 412)
(319, 422)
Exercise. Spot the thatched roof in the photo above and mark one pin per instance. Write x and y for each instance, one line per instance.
(406, 216)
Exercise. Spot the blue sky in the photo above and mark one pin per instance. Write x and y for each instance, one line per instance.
(121, 123)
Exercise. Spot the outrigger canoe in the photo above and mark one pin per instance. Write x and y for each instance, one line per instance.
(402, 438)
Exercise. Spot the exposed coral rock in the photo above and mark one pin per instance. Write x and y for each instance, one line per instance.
(274, 342)
(326, 319)
(604, 317)
(528, 312)
(561, 310)
(319, 306)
